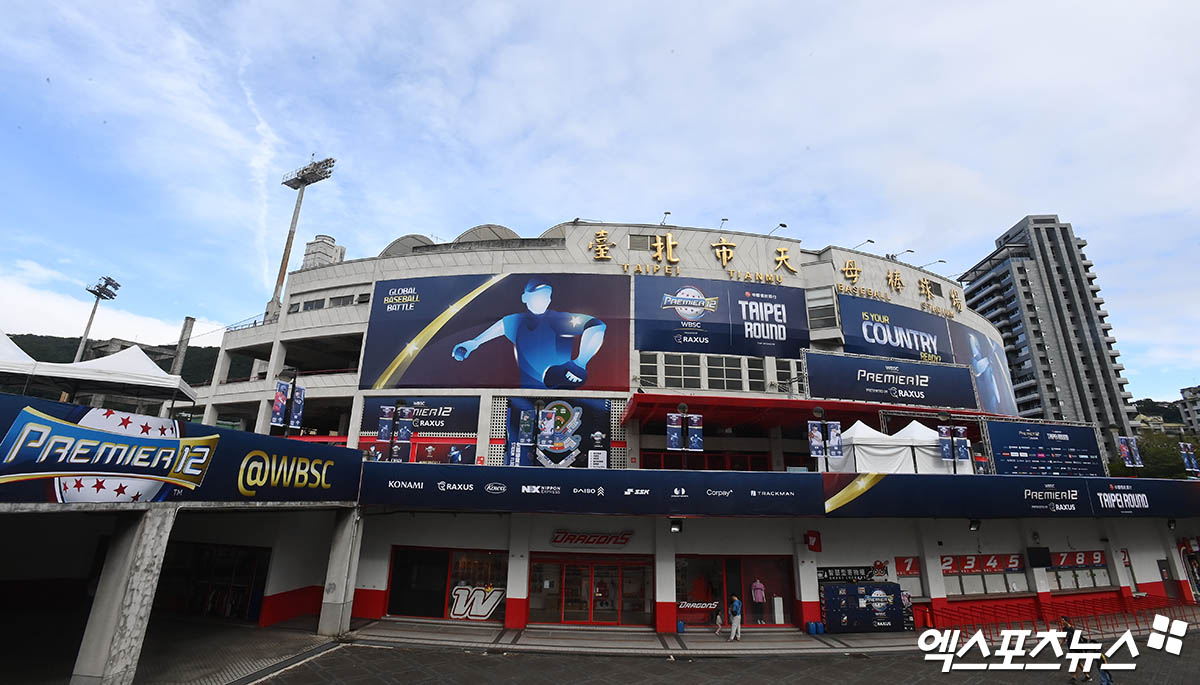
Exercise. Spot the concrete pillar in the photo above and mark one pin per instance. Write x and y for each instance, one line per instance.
(341, 573)
(483, 428)
(930, 548)
(516, 609)
(262, 420)
(775, 447)
(633, 443)
(112, 641)
(356, 420)
(805, 561)
(221, 371)
(210, 415)
(664, 576)
(1118, 573)
(1037, 578)
(1176, 571)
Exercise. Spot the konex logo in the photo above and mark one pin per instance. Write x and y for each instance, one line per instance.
(689, 303)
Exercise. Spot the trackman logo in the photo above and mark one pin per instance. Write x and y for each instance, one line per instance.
(462, 487)
(406, 485)
(495, 488)
(772, 493)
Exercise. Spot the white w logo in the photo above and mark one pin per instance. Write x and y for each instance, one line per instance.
(475, 603)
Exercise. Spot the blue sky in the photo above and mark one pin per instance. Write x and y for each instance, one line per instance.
(147, 141)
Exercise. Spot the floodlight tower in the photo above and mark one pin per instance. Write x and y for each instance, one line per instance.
(297, 180)
(105, 289)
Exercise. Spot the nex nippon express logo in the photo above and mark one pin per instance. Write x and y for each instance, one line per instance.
(1079, 654)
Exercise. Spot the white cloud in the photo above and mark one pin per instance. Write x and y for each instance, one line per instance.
(29, 308)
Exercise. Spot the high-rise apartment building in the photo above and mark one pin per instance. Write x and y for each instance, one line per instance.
(1039, 290)
(1189, 408)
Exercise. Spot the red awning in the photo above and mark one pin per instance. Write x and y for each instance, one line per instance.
(767, 411)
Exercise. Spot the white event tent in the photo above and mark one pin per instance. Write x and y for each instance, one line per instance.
(914, 449)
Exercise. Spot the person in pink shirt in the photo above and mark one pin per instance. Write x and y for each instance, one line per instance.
(758, 597)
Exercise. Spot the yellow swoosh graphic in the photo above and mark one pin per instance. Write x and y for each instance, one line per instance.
(852, 491)
(403, 360)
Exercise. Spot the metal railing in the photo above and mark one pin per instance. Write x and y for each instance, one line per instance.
(1098, 618)
(260, 320)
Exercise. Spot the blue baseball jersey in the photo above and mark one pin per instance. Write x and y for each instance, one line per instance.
(542, 341)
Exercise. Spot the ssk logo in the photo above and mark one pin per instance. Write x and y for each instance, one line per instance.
(637, 491)
(461, 487)
(406, 485)
(495, 488)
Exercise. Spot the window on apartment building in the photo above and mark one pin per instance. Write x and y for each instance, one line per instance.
(681, 370)
(314, 304)
(724, 373)
(364, 298)
(648, 370)
(787, 376)
(293, 307)
(640, 242)
(341, 301)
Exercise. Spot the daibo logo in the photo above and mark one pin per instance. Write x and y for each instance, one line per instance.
(495, 488)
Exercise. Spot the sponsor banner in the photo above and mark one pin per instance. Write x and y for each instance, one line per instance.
(297, 415)
(601, 491)
(929, 496)
(397, 425)
(443, 453)
(962, 446)
(279, 404)
(568, 429)
(946, 442)
(695, 432)
(1125, 451)
(816, 439)
(1187, 452)
(55, 452)
(863, 608)
(835, 438)
(888, 381)
(1135, 453)
(1032, 449)
(719, 317)
(989, 365)
(853, 574)
(888, 330)
(539, 331)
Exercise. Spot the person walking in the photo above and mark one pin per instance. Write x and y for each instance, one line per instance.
(735, 619)
(1065, 625)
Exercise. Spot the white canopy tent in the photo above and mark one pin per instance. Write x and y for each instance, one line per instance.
(915, 449)
(128, 372)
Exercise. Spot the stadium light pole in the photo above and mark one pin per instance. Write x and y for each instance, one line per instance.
(105, 289)
(297, 180)
(868, 241)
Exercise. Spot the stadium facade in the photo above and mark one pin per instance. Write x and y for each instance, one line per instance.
(609, 424)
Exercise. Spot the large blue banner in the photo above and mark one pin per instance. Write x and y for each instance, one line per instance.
(988, 365)
(890, 381)
(719, 317)
(930, 496)
(888, 330)
(55, 452)
(540, 331)
(1034, 449)
(618, 491)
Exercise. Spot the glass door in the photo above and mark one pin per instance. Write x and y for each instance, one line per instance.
(606, 584)
(577, 593)
(636, 609)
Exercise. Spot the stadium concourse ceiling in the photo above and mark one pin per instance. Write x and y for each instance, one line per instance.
(765, 412)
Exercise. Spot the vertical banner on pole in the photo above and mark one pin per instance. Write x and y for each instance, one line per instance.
(1125, 451)
(695, 432)
(674, 431)
(816, 440)
(962, 446)
(402, 430)
(545, 438)
(279, 406)
(1136, 454)
(835, 438)
(387, 414)
(525, 427)
(297, 416)
(944, 443)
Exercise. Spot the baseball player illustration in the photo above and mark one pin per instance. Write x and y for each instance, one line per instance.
(543, 340)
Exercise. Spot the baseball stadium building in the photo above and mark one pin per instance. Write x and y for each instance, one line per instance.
(624, 424)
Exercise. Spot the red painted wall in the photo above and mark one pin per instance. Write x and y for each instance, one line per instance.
(290, 604)
(516, 613)
(369, 603)
(664, 617)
